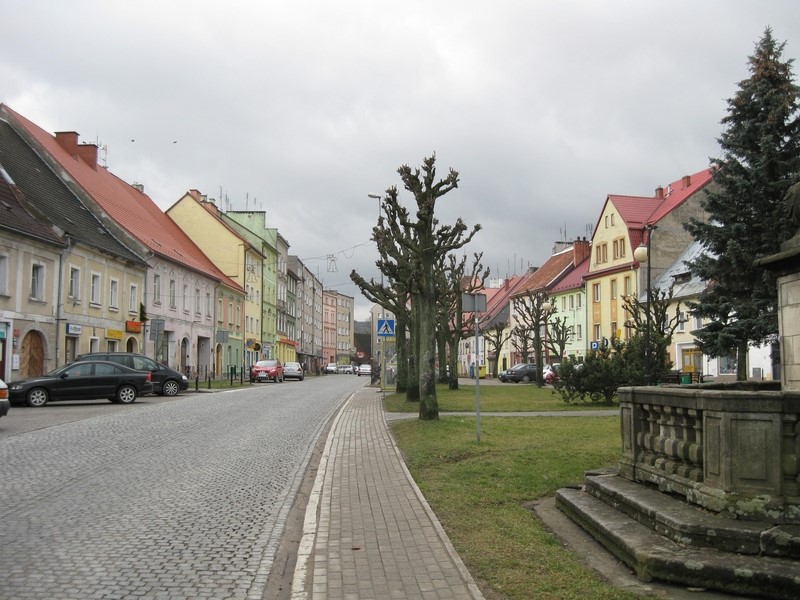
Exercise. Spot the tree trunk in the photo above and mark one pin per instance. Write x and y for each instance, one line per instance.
(452, 363)
(412, 390)
(741, 362)
(426, 326)
(401, 347)
(442, 341)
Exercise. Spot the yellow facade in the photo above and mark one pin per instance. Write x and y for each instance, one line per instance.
(612, 276)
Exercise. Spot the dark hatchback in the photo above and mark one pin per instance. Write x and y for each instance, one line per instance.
(86, 380)
(166, 381)
(523, 372)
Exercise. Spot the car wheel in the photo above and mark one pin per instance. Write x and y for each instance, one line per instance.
(126, 394)
(526, 379)
(170, 388)
(37, 397)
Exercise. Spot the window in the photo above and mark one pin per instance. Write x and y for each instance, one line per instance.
(601, 253)
(578, 300)
(596, 332)
(208, 304)
(95, 294)
(682, 321)
(197, 301)
(133, 299)
(219, 311)
(572, 301)
(157, 290)
(185, 298)
(37, 282)
(628, 289)
(74, 284)
(578, 332)
(613, 289)
(563, 303)
(172, 303)
(614, 329)
(596, 292)
(113, 294)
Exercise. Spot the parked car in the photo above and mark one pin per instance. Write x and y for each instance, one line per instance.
(550, 373)
(331, 368)
(270, 369)
(166, 381)
(522, 372)
(346, 369)
(5, 403)
(365, 369)
(293, 370)
(83, 380)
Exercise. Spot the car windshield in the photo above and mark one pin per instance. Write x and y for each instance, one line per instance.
(292, 365)
(266, 363)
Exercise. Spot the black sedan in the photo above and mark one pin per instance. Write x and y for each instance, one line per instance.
(523, 372)
(85, 380)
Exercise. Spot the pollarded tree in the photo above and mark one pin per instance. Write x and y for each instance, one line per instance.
(760, 146)
(532, 309)
(424, 242)
(453, 326)
(495, 335)
(559, 333)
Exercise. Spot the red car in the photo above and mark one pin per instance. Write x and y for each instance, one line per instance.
(267, 370)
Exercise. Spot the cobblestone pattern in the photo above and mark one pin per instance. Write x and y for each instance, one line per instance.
(377, 538)
(185, 499)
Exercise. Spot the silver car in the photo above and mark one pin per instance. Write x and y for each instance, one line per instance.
(293, 370)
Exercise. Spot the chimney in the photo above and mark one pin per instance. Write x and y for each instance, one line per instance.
(68, 140)
(686, 181)
(139, 187)
(580, 250)
(659, 192)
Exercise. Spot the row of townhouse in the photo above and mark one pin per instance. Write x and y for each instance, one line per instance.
(89, 263)
(587, 281)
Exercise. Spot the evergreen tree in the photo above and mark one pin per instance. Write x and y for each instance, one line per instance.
(760, 146)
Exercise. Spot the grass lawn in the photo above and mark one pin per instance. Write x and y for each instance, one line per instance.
(478, 491)
(508, 397)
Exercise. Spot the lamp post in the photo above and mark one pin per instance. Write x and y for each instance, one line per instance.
(381, 351)
(642, 255)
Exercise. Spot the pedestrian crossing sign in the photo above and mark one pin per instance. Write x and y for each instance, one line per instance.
(386, 327)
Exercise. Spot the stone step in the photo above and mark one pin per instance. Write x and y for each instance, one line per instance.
(654, 556)
(692, 526)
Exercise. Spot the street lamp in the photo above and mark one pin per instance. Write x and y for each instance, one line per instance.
(381, 352)
(642, 255)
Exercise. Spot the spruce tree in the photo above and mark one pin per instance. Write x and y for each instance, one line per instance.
(760, 145)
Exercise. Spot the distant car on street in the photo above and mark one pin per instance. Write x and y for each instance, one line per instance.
(83, 380)
(270, 369)
(522, 372)
(331, 368)
(346, 369)
(293, 370)
(5, 403)
(365, 369)
(166, 381)
(550, 373)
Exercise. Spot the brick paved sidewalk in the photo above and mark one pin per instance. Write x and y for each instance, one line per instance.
(369, 533)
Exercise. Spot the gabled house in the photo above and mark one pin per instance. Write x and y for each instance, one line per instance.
(568, 296)
(498, 313)
(561, 263)
(626, 222)
(684, 353)
(86, 297)
(172, 319)
(31, 253)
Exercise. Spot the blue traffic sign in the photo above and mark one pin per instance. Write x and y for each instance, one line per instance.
(386, 327)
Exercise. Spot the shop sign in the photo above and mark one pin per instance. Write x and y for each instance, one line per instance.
(73, 329)
(133, 326)
(114, 334)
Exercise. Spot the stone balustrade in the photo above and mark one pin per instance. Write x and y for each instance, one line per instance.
(730, 450)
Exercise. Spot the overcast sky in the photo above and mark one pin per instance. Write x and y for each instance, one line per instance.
(302, 108)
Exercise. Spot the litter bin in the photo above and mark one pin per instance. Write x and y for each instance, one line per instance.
(482, 371)
(686, 378)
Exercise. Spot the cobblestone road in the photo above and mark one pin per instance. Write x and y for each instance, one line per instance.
(182, 499)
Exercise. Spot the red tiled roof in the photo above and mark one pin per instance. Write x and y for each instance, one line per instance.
(573, 279)
(550, 273)
(638, 211)
(130, 208)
